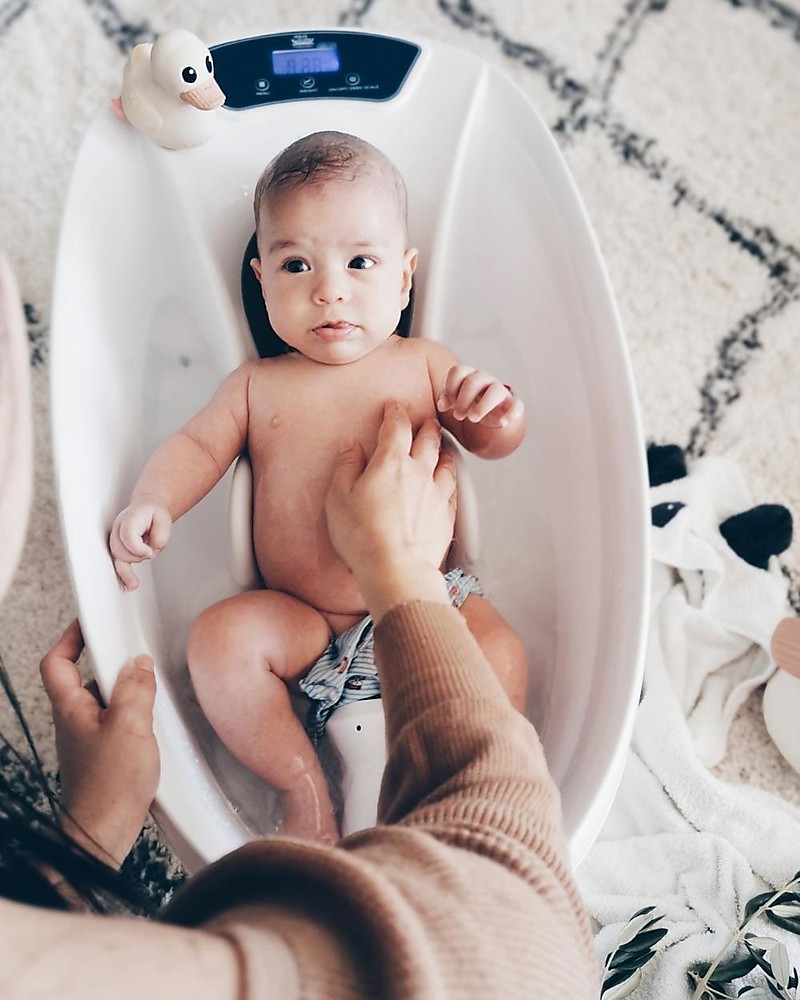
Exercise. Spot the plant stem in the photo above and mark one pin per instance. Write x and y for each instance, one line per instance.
(735, 938)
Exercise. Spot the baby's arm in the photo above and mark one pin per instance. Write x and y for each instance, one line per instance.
(181, 471)
(479, 411)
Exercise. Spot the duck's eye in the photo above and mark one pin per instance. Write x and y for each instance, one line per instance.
(209, 64)
(189, 74)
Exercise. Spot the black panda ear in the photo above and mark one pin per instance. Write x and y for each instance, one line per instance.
(665, 462)
(759, 533)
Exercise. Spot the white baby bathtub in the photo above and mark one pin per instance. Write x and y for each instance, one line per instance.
(147, 319)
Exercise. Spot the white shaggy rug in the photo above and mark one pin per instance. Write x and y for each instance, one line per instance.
(680, 120)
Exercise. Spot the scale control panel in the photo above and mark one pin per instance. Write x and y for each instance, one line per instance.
(306, 65)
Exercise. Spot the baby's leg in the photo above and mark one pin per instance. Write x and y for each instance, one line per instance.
(245, 654)
(501, 646)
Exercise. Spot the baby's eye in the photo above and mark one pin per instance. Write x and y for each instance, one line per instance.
(361, 263)
(295, 266)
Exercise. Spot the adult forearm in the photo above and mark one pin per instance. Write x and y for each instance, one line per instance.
(457, 750)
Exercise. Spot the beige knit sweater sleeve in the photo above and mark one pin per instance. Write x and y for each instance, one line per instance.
(463, 890)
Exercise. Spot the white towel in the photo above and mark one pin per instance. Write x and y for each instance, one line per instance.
(678, 837)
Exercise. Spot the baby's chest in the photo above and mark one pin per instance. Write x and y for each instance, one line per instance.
(301, 431)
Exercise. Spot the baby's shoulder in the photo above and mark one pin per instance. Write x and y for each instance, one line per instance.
(431, 350)
(438, 357)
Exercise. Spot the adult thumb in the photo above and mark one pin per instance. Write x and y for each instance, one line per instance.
(350, 464)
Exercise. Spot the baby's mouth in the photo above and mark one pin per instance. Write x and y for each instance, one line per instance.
(333, 331)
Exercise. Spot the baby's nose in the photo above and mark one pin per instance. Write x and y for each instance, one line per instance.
(330, 288)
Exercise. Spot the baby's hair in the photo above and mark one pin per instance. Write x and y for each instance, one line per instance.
(322, 157)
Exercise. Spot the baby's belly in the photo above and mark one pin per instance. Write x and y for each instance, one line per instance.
(295, 554)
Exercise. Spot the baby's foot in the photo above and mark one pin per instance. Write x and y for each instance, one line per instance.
(308, 812)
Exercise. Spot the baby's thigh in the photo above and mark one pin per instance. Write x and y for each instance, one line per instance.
(501, 646)
(258, 631)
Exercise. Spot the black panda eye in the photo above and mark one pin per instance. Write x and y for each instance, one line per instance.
(209, 64)
(663, 513)
(189, 74)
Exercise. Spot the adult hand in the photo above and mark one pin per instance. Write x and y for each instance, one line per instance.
(391, 519)
(108, 756)
(139, 532)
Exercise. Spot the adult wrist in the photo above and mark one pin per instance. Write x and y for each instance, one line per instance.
(110, 842)
(388, 583)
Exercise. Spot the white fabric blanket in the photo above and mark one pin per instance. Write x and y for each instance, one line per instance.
(677, 837)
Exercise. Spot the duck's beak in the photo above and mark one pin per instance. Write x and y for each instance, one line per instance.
(206, 96)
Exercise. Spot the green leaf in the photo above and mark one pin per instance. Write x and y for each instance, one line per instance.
(775, 990)
(640, 921)
(615, 988)
(787, 925)
(755, 904)
(734, 969)
(714, 990)
(643, 942)
(622, 963)
(754, 941)
(778, 958)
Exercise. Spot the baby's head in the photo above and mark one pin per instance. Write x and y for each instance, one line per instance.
(334, 264)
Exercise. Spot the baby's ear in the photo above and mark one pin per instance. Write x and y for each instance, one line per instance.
(255, 263)
(409, 266)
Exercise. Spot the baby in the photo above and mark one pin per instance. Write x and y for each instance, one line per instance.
(335, 271)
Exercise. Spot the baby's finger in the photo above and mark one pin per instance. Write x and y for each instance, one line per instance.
(160, 528)
(494, 395)
(452, 383)
(131, 534)
(471, 389)
(425, 447)
(512, 410)
(125, 574)
(133, 696)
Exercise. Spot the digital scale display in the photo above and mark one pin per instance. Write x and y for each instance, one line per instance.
(296, 62)
(310, 66)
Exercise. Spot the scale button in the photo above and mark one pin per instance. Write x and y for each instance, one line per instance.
(307, 82)
(262, 84)
(352, 79)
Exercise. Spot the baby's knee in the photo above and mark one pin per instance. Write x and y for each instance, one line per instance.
(208, 641)
(501, 645)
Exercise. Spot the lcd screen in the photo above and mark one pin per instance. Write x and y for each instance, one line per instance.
(291, 62)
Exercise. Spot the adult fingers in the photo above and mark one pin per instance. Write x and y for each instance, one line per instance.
(133, 695)
(395, 435)
(60, 675)
(350, 463)
(445, 475)
(427, 443)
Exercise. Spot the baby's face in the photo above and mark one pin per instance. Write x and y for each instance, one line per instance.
(335, 271)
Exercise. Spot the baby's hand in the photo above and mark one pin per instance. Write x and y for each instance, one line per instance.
(139, 532)
(476, 396)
